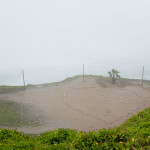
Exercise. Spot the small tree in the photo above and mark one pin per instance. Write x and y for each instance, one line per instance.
(114, 74)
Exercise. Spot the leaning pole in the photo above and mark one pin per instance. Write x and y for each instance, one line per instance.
(23, 80)
(142, 75)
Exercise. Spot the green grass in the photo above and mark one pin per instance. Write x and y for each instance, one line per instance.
(13, 114)
(133, 134)
(146, 82)
(8, 89)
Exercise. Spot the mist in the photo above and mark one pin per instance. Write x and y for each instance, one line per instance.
(50, 40)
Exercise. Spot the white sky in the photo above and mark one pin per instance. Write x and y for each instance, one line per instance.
(53, 32)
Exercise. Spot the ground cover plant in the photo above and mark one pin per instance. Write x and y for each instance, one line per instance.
(133, 134)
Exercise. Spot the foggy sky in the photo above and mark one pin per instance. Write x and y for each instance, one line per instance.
(56, 32)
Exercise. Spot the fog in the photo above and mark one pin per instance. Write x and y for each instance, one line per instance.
(50, 40)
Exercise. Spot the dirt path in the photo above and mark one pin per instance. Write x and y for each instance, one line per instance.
(83, 106)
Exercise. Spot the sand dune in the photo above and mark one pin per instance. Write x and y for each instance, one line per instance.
(86, 106)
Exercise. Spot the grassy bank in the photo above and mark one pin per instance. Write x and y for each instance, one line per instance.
(133, 134)
(98, 77)
(9, 89)
(13, 114)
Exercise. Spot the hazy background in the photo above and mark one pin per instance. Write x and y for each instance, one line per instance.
(51, 39)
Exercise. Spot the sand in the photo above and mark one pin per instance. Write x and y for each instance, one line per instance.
(92, 105)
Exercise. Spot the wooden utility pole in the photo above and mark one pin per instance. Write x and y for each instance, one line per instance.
(83, 73)
(23, 80)
(142, 75)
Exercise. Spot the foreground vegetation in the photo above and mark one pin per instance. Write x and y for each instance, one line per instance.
(133, 134)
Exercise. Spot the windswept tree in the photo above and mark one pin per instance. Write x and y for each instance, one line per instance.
(114, 74)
